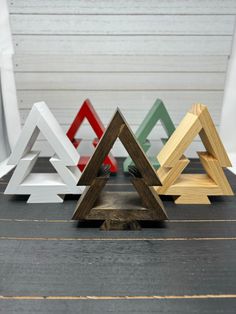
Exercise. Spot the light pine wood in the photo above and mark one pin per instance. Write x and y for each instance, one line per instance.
(193, 184)
(168, 176)
(209, 135)
(179, 141)
(194, 188)
(213, 167)
(192, 199)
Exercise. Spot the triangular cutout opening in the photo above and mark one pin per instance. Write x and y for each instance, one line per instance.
(87, 112)
(157, 113)
(94, 205)
(194, 188)
(43, 187)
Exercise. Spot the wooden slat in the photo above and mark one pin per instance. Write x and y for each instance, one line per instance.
(122, 24)
(35, 267)
(147, 305)
(177, 102)
(120, 81)
(123, 7)
(31, 229)
(129, 45)
(122, 63)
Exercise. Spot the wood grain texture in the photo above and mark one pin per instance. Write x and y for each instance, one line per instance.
(118, 128)
(194, 188)
(84, 267)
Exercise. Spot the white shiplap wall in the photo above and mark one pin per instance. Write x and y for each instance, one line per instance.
(122, 53)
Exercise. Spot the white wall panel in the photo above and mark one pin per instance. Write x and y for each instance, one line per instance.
(123, 24)
(127, 45)
(123, 6)
(122, 53)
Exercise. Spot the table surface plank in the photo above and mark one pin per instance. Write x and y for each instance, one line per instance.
(50, 264)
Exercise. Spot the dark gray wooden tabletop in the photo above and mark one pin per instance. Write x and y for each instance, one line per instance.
(50, 264)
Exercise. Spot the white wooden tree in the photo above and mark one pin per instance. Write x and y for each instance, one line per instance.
(44, 187)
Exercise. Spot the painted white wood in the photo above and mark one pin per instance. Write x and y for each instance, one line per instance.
(123, 24)
(177, 102)
(41, 119)
(123, 6)
(44, 187)
(23, 169)
(122, 63)
(228, 125)
(120, 81)
(173, 50)
(128, 45)
(70, 175)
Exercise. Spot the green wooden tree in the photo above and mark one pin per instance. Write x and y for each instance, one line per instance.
(158, 112)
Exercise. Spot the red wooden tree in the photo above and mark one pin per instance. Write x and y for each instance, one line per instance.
(87, 111)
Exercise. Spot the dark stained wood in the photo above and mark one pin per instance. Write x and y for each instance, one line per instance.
(122, 206)
(118, 128)
(88, 198)
(120, 225)
(149, 198)
(106, 206)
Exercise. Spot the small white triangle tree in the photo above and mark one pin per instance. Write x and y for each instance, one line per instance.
(44, 187)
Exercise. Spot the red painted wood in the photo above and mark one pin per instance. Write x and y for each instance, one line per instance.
(87, 111)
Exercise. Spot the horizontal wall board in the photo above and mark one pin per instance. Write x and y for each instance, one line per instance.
(175, 101)
(123, 6)
(120, 81)
(122, 24)
(129, 45)
(100, 63)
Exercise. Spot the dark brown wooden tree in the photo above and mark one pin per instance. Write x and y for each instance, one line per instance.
(119, 210)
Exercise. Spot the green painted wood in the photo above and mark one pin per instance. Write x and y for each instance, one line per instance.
(158, 112)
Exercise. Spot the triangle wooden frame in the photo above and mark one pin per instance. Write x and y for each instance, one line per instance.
(87, 111)
(194, 188)
(157, 112)
(151, 207)
(44, 187)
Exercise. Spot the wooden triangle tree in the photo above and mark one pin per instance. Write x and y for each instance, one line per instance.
(194, 188)
(88, 112)
(44, 187)
(119, 209)
(158, 112)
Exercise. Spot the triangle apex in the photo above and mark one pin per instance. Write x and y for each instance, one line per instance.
(198, 108)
